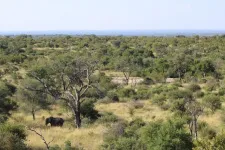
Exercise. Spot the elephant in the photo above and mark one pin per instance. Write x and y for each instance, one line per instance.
(54, 121)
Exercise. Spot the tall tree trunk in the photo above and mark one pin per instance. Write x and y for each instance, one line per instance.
(195, 128)
(33, 113)
(77, 115)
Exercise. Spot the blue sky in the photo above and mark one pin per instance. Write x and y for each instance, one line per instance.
(42, 15)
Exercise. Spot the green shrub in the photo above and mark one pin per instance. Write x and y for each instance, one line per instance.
(126, 92)
(180, 94)
(107, 118)
(113, 96)
(87, 109)
(194, 87)
(170, 135)
(123, 136)
(55, 147)
(159, 99)
(199, 94)
(221, 91)
(212, 102)
(211, 85)
(12, 137)
(143, 94)
(206, 131)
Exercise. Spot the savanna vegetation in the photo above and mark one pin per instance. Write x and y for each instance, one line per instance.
(113, 93)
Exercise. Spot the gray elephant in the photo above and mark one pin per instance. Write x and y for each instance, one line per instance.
(54, 121)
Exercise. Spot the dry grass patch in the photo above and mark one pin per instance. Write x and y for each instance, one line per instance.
(89, 138)
(149, 111)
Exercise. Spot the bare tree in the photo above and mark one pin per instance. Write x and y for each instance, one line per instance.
(67, 79)
(126, 67)
(42, 137)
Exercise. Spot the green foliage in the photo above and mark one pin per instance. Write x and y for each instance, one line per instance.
(88, 111)
(159, 99)
(113, 96)
(180, 94)
(143, 93)
(12, 137)
(199, 94)
(123, 136)
(221, 91)
(217, 143)
(138, 135)
(194, 87)
(212, 102)
(169, 135)
(126, 92)
(6, 104)
(211, 85)
(108, 118)
(206, 131)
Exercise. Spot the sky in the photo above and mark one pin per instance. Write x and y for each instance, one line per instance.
(44, 15)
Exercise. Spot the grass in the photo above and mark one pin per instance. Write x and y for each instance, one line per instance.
(90, 138)
(149, 112)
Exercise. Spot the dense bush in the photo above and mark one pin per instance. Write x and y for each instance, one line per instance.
(199, 94)
(180, 94)
(12, 137)
(143, 93)
(159, 99)
(112, 95)
(194, 87)
(6, 104)
(217, 143)
(88, 111)
(212, 102)
(154, 136)
(169, 136)
(126, 92)
(108, 118)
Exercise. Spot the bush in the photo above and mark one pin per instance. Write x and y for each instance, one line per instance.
(159, 99)
(87, 109)
(194, 87)
(206, 131)
(12, 137)
(170, 135)
(180, 94)
(211, 85)
(221, 91)
(199, 94)
(123, 136)
(143, 94)
(217, 143)
(108, 118)
(148, 81)
(212, 102)
(126, 92)
(113, 96)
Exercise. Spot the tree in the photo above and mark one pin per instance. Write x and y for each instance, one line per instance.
(6, 104)
(126, 67)
(206, 66)
(67, 79)
(34, 100)
(194, 109)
